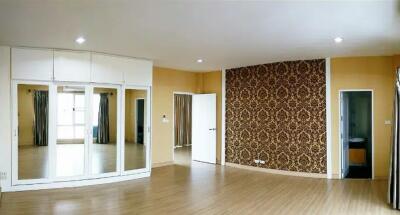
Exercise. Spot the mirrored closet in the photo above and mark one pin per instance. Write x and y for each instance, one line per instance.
(78, 115)
(33, 125)
(86, 119)
(135, 129)
(104, 130)
(71, 130)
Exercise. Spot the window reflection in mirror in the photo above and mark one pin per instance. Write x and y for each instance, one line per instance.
(71, 108)
(135, 129)
(33, 118)
(104, 147)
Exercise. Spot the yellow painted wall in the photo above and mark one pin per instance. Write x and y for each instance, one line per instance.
(396, 62)
(212, 83)
(165, 82)
(374, 73)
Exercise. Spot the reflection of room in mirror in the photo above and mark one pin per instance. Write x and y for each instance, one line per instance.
(135, 129)
(33, 147)
(71, 109)
(104, 122)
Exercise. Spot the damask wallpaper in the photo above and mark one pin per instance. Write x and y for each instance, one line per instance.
(277, 113)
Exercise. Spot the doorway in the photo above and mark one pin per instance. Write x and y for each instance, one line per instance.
(356, 116)
(182, 128)
(140, 121)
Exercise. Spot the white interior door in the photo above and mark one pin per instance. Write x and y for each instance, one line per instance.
(344, 120)
(204, 133)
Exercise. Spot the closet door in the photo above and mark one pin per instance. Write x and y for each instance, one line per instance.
(136, 147)
(72, 131)
(31, 145)
(31, 64)
(104, 141)
(72, 66)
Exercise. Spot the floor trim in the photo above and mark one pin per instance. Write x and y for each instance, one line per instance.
(161, 164)
(77, 183)
(279, 172)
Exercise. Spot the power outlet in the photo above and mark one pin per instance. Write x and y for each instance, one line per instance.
(262, 162)
(3, 176)
(256, 161)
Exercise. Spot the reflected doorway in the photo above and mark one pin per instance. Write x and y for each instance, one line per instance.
(140, 121)
(135, 124)
(182, 128)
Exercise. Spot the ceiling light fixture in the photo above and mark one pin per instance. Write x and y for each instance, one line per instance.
(338, 40)
(199, 60)
(80, 40)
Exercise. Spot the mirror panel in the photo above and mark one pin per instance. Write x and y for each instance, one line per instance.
(104, 122)
(70, 145)
(33, 118)
(135, 129)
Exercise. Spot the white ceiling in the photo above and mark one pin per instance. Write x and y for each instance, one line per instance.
(226, 34)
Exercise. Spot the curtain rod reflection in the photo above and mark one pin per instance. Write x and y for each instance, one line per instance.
(30, 90)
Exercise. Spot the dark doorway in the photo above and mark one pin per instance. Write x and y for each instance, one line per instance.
(356, 134)
(140, 121)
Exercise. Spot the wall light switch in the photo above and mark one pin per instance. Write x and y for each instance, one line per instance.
(164, 119)
(388, 122)
(262, 162)
(256, 161)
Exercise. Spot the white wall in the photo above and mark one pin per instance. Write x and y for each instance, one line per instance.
(5, 114)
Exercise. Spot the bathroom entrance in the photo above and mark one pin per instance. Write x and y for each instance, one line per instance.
(356, 134)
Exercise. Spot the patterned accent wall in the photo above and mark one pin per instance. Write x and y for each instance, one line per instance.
(277, 113)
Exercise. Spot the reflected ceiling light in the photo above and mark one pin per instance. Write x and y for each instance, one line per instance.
(338, 40)
(199, 60)
(80, 40)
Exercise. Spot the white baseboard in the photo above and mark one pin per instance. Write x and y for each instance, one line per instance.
(336, 176)
(161, 164)
(78, 183)
(278, 172)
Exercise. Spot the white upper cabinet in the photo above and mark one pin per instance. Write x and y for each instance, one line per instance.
(32, 64)
(116, 69)
(79, 66)
(140, 72)
(108, 68)
(72, 66)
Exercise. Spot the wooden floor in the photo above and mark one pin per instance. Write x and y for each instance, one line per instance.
(33, 160)
(200, 188)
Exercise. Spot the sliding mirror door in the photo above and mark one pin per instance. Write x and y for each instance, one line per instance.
(136, 147)
(104, 139)
(31, 131)
(71, 129)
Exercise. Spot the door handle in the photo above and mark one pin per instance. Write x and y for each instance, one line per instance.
(212, 129)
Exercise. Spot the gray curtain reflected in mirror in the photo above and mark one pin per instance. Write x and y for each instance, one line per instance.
(135, 129)
(33, 116)
(104, 147)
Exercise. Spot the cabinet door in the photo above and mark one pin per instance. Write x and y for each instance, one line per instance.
(108, 69)
(139, 72)
(32, 64)
(72, 66)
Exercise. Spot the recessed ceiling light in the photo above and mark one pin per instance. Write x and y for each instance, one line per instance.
(199, 60)
(80, 40)
(338, 40)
